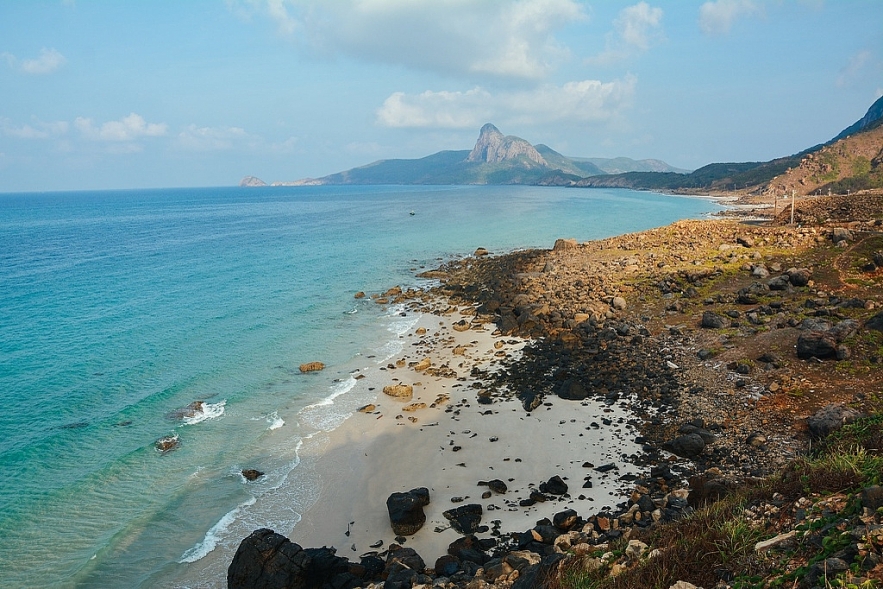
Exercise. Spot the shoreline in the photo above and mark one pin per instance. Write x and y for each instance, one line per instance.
(693, 330)
(453, 443)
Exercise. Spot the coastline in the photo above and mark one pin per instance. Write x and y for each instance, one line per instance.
(454, 443)
(689, 329)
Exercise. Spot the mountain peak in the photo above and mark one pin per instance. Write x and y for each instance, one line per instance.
(493, 147)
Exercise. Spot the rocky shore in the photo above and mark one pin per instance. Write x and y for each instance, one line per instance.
(723, 351)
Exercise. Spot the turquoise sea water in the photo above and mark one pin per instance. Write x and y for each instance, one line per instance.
(119, 307)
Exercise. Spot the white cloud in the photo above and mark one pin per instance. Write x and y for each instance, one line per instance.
(462, 37)
(39, 129)
(716, 18)
(49, 61)
(579, 102)
(458, 110)
(211, 138)
(635, 30)
(853, 70)
(128, 128)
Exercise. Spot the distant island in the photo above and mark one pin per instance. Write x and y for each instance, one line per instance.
(853, 160)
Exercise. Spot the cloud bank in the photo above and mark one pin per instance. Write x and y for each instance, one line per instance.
(508, 40)
(579, 102)
(128, 128)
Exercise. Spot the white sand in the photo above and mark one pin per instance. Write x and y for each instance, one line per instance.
(373, 455)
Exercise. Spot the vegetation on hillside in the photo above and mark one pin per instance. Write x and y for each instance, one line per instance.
(815, 509)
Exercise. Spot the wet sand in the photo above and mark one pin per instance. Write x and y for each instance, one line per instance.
(453, 444)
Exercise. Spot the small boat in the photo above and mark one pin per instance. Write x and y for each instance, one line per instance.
(413, 213)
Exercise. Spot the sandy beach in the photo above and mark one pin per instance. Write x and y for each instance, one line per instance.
(444, 440)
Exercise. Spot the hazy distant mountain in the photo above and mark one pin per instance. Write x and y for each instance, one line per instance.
(495, 159)
(852, 160)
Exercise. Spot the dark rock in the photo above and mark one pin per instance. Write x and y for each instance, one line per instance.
(829, 419)
(447, 565)
(406, 511)
(269, 560)
(689, 428)
(875, 322)
(844, 329)
(251, 474)
(466, 519)
(497, 486)
(872, 497)
(404, 557)
(194, 409)
(468, 549)
(705, 490)
(686, 446)
(799, 276)
(572, 390)
(711, 320)
(565, 520)
(167, 444)
(554, 486)
(545, 534)
(816, 344)
(779, 282)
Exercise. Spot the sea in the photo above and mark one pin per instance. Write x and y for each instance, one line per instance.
(118, 309)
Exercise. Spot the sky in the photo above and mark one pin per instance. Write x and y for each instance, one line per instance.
(112, 94)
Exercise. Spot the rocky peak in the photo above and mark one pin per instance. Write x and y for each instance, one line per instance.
(252, 181)
(494, 147)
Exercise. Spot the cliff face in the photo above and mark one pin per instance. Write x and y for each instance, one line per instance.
(493, 147)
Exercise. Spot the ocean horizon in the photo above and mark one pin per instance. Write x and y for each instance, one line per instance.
(121, 308)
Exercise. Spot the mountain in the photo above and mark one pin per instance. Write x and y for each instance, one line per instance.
(495, 159)
(849, 161)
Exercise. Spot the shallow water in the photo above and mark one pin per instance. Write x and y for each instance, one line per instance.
(119, 307)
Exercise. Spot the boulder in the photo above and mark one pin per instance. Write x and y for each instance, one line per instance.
(839, 234)
(781, 282)
(872, 498)
(480, 252)
(554, 486)
(565, 520)
(447, 565)
(799, 276)
(572, 390)
(686, 446)
(271, 561)
(564, 244)
(829, 419)
(466, 519)
(711, 320)
(312, 367)
(403, 392)
(167, 443)
(816, 344)
(875, 322)
(497, 486)
(250, 474)
(192, 410)
(406, 511)
(619, 304)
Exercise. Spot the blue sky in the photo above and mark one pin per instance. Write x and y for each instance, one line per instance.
(104, 94)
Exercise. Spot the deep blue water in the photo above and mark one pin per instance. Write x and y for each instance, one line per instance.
(119, 307)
